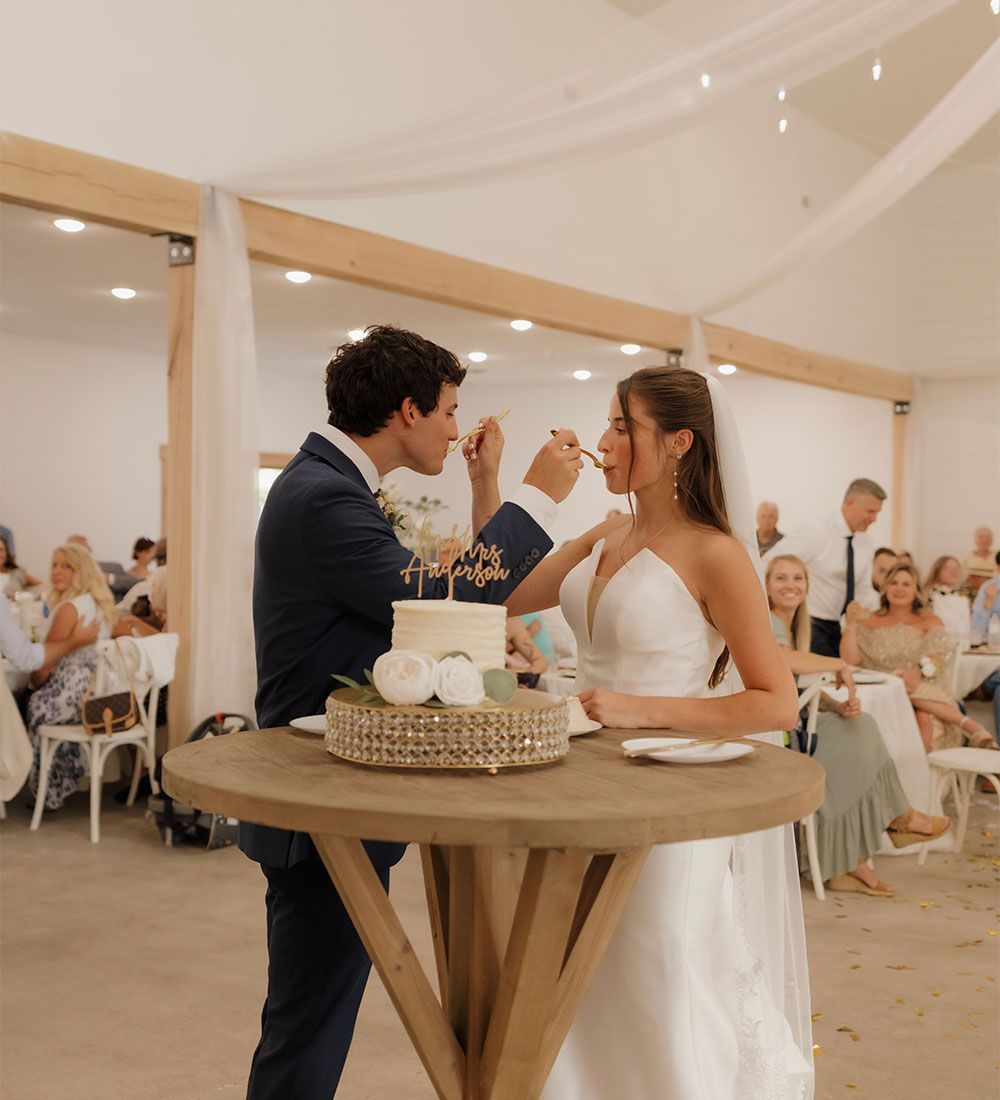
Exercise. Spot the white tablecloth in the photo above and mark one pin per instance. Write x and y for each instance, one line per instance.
(557, 684)
(973, 668)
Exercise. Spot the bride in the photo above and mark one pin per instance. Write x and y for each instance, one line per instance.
(701, 994)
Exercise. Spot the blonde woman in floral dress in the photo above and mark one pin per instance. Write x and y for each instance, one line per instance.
(904, 638)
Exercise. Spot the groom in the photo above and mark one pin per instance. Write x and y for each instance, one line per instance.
(327, 569)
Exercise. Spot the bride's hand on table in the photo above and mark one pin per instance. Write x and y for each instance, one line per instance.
(612, 708)
(482, 452)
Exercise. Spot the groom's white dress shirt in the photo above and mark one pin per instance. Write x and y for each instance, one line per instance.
(540, 506)
(824, 550)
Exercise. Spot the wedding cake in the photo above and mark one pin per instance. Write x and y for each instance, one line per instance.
(440, 627)
(440, 697)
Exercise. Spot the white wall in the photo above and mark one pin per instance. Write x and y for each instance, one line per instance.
(82, 427)
(80, 433)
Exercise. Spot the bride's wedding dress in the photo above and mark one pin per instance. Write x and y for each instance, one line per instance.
(682, 1006)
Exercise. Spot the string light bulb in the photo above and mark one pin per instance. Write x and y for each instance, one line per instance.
(877, 70)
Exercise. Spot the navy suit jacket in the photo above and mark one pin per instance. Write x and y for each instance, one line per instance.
(326, 573)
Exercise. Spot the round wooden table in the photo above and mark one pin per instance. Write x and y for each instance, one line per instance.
(526, 872)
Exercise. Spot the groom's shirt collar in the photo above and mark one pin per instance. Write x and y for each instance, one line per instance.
(351, 450)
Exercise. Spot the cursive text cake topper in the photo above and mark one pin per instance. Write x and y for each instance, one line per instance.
(475, 561)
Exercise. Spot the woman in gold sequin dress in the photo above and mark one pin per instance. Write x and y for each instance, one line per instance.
(904, 638)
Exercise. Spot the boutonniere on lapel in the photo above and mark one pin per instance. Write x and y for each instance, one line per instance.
(386, 497)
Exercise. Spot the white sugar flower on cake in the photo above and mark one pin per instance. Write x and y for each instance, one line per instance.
(404, 678)
(407, 678)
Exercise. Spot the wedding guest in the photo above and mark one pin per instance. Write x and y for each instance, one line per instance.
(28, 656)
(8, 537)
(839, 556)
(944, 598)
(538, 631)
(142, 555)
(523, 656)
(768, 534)
(905, 556)
(13, 577)
(882, 562)
(906, 639)
(80, 540)
(978, 563)
(987, 605)
(864, 796)
(77, 594)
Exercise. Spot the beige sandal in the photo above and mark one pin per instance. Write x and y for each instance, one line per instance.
(903, 838)
(851, 884)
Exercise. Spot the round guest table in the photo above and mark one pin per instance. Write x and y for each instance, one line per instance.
(526, 871)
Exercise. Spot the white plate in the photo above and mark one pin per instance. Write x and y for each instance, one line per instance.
(590, 727)
(702, 754)
(314, 723)
(869, 678)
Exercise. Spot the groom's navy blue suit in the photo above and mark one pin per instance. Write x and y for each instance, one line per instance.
(327, 570)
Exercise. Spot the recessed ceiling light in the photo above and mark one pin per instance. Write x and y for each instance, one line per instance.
(726, 368)
(298, 276)
(631, 349)
(877, 70)
(123, 292)
(357, 334)
(782, 125)
(478, 357)
(705, 80)
(781, 95)
(521, 326)
(581, 375)
(69, 225)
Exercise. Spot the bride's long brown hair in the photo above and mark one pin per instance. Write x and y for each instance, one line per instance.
(678, 398)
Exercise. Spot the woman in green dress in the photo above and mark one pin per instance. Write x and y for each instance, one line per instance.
(864, 797)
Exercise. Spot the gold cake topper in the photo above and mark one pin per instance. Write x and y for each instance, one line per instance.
(478, 562)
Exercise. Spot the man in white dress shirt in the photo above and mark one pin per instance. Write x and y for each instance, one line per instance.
(839, 556)
(28, 656)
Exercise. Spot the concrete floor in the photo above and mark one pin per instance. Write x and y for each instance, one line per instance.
(133, 972)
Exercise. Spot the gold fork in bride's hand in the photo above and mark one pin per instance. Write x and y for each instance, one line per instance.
(453, 447)
(593, 458)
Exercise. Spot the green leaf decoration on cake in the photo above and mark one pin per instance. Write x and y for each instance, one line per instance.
(459, 653)
(369, 677)
(499, 684)
(347, 681)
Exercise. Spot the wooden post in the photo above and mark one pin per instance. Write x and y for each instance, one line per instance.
(180, 344)
(897, 493)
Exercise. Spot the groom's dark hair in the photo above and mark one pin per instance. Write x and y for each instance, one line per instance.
(367, 380)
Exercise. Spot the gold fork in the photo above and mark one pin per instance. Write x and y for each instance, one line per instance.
(453, 447)
(689, 745)
(593, 458)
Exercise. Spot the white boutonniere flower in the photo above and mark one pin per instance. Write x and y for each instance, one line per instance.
(398, 520)
(928, 667)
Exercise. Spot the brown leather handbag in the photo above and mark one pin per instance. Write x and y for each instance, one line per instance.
(113, 713)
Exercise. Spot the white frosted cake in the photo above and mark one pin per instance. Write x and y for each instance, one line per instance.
(440, 627)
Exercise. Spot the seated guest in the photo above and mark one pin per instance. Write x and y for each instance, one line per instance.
(8, 537)
(984, 610)
(27, 656)
(864, 797)
(523, 656)
(78, 594)
(944, 598)
(906, 639)
(905, 556)
(978, 563)
(79, 540)
(539, 632)
(142, 555)
(768, 534)
(13, 577)
(882, 562)
(839, 556)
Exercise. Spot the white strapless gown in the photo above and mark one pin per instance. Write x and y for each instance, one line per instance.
(671, 1013)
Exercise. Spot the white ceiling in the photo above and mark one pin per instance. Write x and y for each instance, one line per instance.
(58, 285)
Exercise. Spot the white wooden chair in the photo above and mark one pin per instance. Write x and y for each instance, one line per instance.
(809, 697)
(957, 769)
(148, 684)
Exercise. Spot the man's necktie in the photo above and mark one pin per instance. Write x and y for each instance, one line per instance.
(850, 573)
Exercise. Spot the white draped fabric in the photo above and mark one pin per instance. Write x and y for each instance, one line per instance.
(225, 458)
(638, 86)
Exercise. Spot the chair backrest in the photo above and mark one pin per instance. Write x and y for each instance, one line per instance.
(951, 670)
(810, 696)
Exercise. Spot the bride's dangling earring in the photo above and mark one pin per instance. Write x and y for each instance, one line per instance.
(677, 462)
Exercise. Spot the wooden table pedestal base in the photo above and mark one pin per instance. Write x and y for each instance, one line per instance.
(517, 938)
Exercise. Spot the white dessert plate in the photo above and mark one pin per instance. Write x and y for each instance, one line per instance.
(870, 678)
(700, 754)
(313, 723)
(590, 727)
